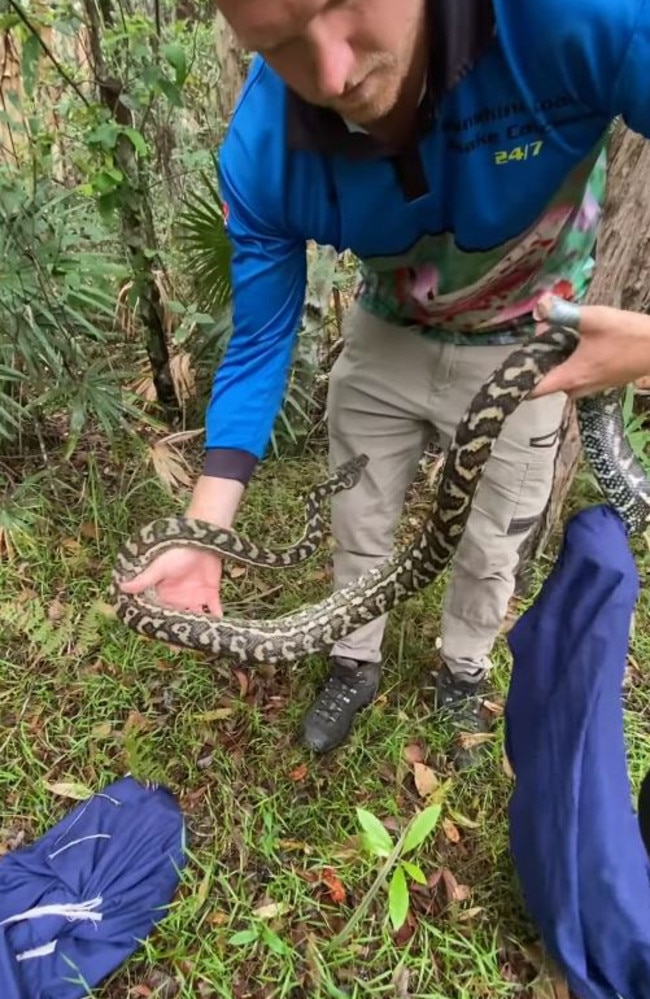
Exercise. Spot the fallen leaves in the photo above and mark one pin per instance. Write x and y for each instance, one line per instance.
(551, 986)
(160, 985)
(470, 740)
(451, 831)
(299, 773)
(69, 789)
(335, 888)
(401, 978)
(89, 530)
(270, 910)
(454, 891)
(426, 781)
(216, 714)
(550, 983)
(413, 753)
(170, 466)
(10, 840)
(56, 611)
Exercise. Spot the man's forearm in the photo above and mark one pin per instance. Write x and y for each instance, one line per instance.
(215, 500)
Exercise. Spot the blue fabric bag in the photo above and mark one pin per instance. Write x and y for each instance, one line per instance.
(77, 903)
(574, 835)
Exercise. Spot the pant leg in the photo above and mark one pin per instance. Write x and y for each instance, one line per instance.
(511, 496)
(378, 401)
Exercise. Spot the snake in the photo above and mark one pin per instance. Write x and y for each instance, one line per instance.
(315, 628)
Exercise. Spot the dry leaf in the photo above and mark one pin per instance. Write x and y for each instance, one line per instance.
(78, 792)
(455, 891)
(26, 595)
(450, 831)
(243, 679)
(294, 846)
(468, 914)
(144, 388)
(493, 707)
(6, 546)
(204, 888)
(426, 781)
(71, 545)
(507, 769)
(170, 466)
(183, 375)
(138, 722)
(237, 571)
(270, 910)
(10, 841)
(335, 888)
(218, 714)
(469, 740)
(101, 731)
(56, 611)
(463, 821)
(401, 982)
(413, 754)
(551, 985)
(89, 530)
(299, 773)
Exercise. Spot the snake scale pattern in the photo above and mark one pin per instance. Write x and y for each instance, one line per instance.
(316, 628)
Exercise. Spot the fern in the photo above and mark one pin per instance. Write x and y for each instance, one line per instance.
(49, 635)
(142, 757)
(90, 628)
(48, 639)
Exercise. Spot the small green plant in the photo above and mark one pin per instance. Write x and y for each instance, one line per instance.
(260, 934)
(378, 841)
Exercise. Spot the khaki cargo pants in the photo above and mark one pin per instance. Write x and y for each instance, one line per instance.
(391, 390)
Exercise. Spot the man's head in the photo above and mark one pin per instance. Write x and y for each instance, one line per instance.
(353, 56)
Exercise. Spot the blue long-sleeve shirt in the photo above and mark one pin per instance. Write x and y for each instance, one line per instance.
(496, 200)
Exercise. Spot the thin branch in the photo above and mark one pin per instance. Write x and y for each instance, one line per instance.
(48, 52)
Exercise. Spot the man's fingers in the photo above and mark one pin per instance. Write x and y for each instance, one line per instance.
(214, 606)
(550, 383)
(558, 312)
(141, 582)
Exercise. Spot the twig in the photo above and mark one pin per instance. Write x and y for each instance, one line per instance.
(48, 52)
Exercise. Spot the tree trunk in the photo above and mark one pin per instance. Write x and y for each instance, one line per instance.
(233, 66)
(136, 215)
(620, 280)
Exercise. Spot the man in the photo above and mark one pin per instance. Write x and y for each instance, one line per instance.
(457, 147)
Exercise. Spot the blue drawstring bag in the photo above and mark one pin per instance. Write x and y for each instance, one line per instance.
(574, 835)
(77, 903)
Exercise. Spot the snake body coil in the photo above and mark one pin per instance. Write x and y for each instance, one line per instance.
(316, 628)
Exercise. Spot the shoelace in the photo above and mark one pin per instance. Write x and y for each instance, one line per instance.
(334, 697)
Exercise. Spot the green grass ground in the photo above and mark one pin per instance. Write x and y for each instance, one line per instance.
(273, 831)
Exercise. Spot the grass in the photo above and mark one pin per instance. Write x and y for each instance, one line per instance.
(83, 701)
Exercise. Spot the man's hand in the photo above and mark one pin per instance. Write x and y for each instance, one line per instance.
(614, 350)
(186, 578)
(183, 578)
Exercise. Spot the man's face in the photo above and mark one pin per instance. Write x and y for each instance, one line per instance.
(348, 55)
